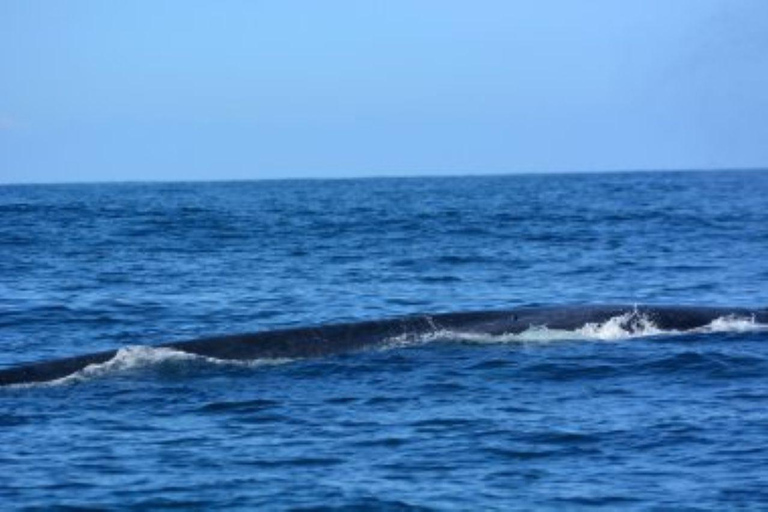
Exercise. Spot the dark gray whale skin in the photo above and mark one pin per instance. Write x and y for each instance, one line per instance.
(338, 338)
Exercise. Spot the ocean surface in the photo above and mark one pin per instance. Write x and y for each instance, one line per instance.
(598, 418)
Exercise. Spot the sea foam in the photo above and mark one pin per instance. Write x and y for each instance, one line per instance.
(137, 357)
(633, 324)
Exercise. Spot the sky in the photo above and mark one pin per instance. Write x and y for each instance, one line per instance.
(246, 89)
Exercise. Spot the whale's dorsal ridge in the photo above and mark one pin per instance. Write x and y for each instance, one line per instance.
(337, 338)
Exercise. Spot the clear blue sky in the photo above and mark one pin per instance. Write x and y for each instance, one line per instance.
(172, 90)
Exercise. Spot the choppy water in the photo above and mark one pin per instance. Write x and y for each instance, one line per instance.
(595, 418)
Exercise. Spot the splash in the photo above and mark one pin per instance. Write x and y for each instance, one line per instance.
(133, 358)
(633, 324)
(734, 323)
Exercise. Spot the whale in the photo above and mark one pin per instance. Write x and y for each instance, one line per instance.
(332, 339)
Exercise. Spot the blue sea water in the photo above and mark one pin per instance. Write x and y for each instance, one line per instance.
(603, 419)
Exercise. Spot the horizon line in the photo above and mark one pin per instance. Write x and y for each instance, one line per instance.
(393, 175)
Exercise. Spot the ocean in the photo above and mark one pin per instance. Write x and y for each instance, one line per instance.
(596, 418)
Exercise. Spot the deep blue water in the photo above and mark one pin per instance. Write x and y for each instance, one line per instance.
(549, 421)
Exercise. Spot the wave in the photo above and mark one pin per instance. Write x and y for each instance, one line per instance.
(133, 358)
(633, 324)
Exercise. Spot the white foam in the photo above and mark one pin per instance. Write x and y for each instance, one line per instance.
(137, 357)
(734, 323)
(633, 324)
